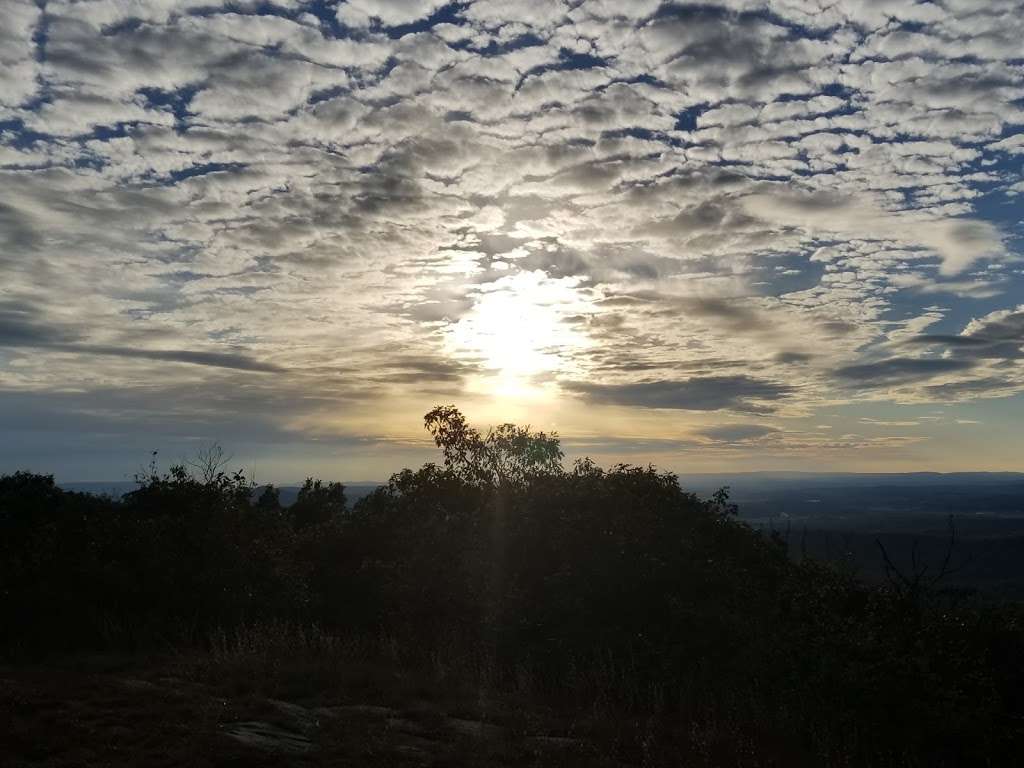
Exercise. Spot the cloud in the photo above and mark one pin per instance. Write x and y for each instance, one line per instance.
(425, 371)
(392, 13)
(733, 314)
(899, 370)
(237, 361)
(18, 67)
(958, 242)
(997, 336)
(22, 325)
(889, 423)
(738, 433)
(982, 287)
(233, 360)
(732, 208)
(793, 358)
(710, 393)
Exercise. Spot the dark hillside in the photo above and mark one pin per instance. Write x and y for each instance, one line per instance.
(601, 591)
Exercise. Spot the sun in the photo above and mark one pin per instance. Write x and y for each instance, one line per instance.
(521, 333)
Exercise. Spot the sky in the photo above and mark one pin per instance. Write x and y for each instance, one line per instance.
(739, 235)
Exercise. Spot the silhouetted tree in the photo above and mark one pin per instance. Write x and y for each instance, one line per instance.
(507, 455)
(269, 500)
(317, 503)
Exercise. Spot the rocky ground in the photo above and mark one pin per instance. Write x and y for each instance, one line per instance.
(115, 713)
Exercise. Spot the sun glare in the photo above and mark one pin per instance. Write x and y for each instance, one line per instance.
(519, 331)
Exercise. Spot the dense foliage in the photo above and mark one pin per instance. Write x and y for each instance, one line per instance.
(614, 583)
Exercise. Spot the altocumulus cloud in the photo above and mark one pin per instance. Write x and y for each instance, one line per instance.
(728, 206)
(738, 433)
(710, 393)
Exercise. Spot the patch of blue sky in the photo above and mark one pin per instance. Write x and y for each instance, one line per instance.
(448, 14)
(500, 47)
(176, 101)
(782, 272)
(996, 204)
(957, 305)
(202, 169)
(13, 133)
(326, 12)
(686, 120)
(567, 61)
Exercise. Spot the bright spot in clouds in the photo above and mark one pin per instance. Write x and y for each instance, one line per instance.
(520, 329)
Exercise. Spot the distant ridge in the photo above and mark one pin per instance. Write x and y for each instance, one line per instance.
(851, 478)
(741, 483)
(288, 493)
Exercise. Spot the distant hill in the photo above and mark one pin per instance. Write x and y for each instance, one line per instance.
(113, 488)
(849, 501)
(353, 492)
(845, 517)
(749, 481)
(288, 493)
(789, 494)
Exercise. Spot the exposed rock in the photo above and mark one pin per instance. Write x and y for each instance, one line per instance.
(363, 710)
(137, 684)
(554, 742)
(476, 728)
(405, 725)
(269, 738)
(304, 719)
(413, 752)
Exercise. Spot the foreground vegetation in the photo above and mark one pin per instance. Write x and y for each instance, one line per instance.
(674, 630)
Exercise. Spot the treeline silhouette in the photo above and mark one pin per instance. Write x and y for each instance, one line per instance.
(596, 583)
